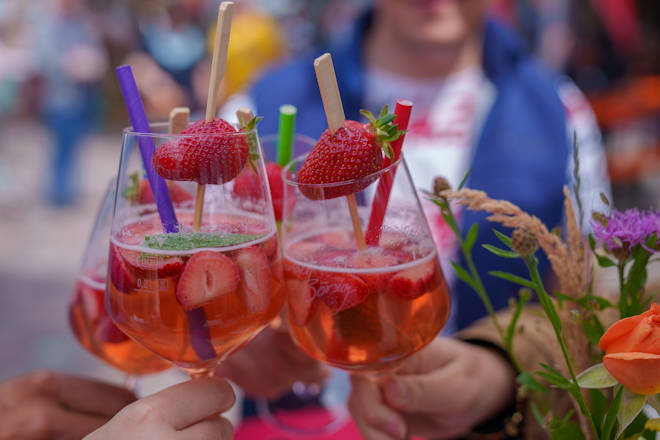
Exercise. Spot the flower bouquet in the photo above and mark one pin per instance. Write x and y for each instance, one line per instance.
(606, 365)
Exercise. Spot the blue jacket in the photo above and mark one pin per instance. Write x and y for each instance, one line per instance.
(521, 153)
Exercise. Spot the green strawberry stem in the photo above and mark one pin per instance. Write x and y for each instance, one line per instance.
(385, 131)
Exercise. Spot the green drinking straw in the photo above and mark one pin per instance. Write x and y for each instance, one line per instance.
(285, 134)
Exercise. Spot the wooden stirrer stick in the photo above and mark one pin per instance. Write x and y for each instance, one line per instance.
(334, 112)
(179, 117)
(218, 65)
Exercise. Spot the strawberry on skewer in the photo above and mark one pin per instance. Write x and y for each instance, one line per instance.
(345, 136)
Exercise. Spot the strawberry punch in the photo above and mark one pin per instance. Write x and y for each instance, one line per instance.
(362, 310)
(96, 333)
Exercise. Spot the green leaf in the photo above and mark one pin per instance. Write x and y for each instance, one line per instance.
(527, 380)
(183, 241)
(513, 278)
(598, 405)
(252, 123)
(503, 238)
(603, 261)
(554, 377)
(612, 411)
(471, 237)
(569, 431)
(525, 295)
(500, 252)
(592, 241)
(631, 405)
(464, 275)
(538, 416)
(596, 377)
(464, 179)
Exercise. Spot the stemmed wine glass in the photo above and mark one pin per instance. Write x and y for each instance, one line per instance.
(88, 318)
(195, 295)
(325, 404)
(361, 310)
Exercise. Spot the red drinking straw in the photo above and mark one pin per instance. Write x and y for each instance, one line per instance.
(200, 338)
(402, 112)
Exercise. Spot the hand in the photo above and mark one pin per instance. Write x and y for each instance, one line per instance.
(270, 364)
(181, 412)
(49, 405)
(441, 392)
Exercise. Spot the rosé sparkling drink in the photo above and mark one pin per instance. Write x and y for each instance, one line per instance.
(193, 278)
(95, 331)
(363, 310)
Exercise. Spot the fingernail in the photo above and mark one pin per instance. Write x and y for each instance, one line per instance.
(395, 429)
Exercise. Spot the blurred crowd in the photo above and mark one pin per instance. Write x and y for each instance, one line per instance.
(57, 59)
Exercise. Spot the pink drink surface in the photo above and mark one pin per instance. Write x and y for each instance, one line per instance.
(363, 310)
(97, 333)
(237, 288)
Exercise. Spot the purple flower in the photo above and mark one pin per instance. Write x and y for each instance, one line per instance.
(623, 230)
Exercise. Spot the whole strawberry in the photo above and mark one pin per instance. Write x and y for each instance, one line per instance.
(352, 152)
(247, 185)
(214, 155)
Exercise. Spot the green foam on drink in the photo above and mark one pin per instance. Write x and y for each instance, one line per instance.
(184, 241)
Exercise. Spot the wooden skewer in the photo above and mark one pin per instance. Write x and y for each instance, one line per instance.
(334, 112)
(179, 117)
(218, 65)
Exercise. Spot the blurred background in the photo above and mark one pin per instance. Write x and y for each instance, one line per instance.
(61, 114)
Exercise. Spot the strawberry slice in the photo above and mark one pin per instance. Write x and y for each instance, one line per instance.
(206, 276)
(341, 291)
(146, 264)
(302, 301)
(90, 300)
(377, 282)
(271, 246)
(120, 275)
(411, 283)
(254, 286)
(108, 332)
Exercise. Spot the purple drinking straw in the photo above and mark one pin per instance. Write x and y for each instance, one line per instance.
(199, 332)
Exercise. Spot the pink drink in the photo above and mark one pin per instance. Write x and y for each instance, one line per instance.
(363, 310)
(97, 333)
(236, 286)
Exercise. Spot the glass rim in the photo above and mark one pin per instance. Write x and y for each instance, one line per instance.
(129, 131)
(287, 176)
(274, 136)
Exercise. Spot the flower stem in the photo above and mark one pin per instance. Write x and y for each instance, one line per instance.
(623, 298)
(551, 312)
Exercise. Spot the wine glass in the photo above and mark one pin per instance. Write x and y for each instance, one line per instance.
(194, 295)
(362, 310)
(308, 409)
(88, 318)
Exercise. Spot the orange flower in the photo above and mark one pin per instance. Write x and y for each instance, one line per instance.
(632, 351)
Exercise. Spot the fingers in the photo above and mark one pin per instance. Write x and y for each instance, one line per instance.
(57, 422)
(437, 354)
(374, 419)
(80, 394)
(435, 389)
(186, 403)
(213, 429)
